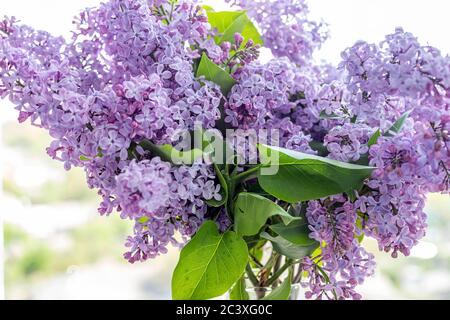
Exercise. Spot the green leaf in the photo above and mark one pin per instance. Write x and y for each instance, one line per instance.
(317, 252)
(296, 232)
(216, 74)
(250, 32)
(289, 249)
(238, 292)
(254, 242)
(374, 138)
(252, 211)
(209, 264)
(398, 125)
(360, 237)
(223, 190)
(84, 158)
(294, 177)
(351, 194)
(359, 225)
(256, 188)
(208, 8)
(364, 158)
(224, 20)
(228, 23)
(143, 220)
(168, 153)
(256, 250)
(283, 291)
(319, 147)
(236, 22)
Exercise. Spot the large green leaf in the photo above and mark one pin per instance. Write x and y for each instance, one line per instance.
(289, 249)
(228, 23)
(293, 176)
(252, 211)
(283, 291)
(216, 74)
(296, 232)
(250, 32)
(238, 292)
(209, 264)
(168, 153)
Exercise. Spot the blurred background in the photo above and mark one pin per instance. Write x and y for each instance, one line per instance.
(56, 246)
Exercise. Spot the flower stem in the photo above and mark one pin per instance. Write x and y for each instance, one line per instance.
(249, 174)
(280, 272)
(251, 275)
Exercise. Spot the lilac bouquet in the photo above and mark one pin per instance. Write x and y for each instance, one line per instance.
(267, 175)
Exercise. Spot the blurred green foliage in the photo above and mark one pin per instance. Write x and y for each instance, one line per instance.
(71, 187)
(30, 259)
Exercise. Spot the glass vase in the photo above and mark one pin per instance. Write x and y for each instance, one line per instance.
(258, 293)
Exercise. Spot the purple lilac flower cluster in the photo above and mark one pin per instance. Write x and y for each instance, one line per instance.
(379, 83)
(285, 27)
(342, 263)
(262, 91)
(277, 95)
(348, 142)
(128, 75)
(162, 199)
(382, 82)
